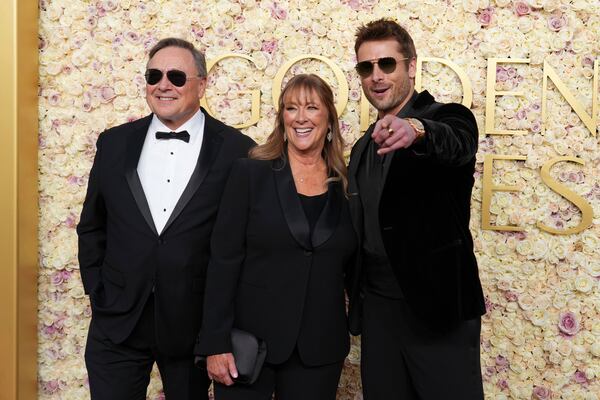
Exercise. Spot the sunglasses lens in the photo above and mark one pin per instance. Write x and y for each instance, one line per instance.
(364, 68)
(177, 78)
(387, 64)
(153, 76)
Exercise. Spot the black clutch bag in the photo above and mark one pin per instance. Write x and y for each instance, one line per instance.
(249, 352)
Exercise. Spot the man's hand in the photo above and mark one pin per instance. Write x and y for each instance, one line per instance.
(221, 368)
(392, 133)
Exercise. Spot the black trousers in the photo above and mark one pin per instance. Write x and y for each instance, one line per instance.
(122, 371)
(403, 359)
(291, 380)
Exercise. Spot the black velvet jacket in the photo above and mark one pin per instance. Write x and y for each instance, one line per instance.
(424, 213)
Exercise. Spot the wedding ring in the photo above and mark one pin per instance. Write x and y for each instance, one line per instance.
(390, 131)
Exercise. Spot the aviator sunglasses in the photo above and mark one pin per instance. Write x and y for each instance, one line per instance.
(386, 64)
(175, 76)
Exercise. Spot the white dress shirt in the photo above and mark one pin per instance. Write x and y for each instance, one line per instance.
(166, 165)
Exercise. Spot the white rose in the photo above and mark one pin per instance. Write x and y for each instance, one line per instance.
(555, 357)
(595, 349)
(53, 68)
(592, 268)
(583, 283)
(524, 247)
(567, 367)
(564, 348)
(540, 249)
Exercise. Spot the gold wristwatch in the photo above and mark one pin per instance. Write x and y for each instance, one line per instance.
(417, 126)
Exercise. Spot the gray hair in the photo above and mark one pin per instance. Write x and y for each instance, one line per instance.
(198, 56)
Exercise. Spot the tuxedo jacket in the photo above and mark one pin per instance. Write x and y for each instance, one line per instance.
(269, 276)
(424, 212)
(122, 257)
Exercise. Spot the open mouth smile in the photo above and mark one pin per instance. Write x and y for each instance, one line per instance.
(303, 132)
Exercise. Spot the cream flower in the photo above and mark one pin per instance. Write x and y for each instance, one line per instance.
(583, 283)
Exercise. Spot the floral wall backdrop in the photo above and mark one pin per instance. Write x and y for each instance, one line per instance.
(541, 335)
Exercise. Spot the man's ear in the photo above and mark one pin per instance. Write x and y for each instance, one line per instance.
(412, 68)
(201, 87)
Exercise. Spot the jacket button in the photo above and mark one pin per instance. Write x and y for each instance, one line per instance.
(307, 253)
(161, 241)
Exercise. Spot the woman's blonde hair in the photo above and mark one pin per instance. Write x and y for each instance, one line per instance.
(333, 151)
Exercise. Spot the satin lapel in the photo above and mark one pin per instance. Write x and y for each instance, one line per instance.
(357, 154)
(356, 211)
(330, 216)
(134, 149)
(211, 144)
(290, 204)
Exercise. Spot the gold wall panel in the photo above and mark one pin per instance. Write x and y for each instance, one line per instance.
(18, 201)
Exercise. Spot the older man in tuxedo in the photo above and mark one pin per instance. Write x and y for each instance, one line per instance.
(144, 232)
(410, 182)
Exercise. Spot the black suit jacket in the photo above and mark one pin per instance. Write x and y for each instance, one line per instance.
(424, 213)
(123, 259)
(268, 276)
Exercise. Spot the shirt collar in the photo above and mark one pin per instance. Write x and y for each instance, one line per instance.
(194, 126)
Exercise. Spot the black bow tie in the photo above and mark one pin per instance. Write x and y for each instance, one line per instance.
(183, 135)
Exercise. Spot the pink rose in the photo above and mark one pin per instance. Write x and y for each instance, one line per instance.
(568, 323)
(53, 98)
(198, 33)
(50, 387)
(132, 37)
(71, 221)
(489, 306)
(501, 363)
(541, 393)
(269, 46)
(556, 22)
(354, 4)
(278, 12)
(563, 176)
(502, 384)
(501, 74)
(579, 377)
(511, 296)
(57, 278)
(485, 16)
(488, 372)
(110, 5)
(91, 22)
(588, 61)
(522, 8)
(107, 94)
(573, 177)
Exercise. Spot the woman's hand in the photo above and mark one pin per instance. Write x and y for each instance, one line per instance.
(221, 368)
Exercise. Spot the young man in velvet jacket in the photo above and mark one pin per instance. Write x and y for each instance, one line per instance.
(419, 299)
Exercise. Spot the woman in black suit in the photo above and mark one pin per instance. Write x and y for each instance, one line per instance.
(281, 246)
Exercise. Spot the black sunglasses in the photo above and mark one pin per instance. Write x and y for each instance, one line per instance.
(175, 76)
(386, 64)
